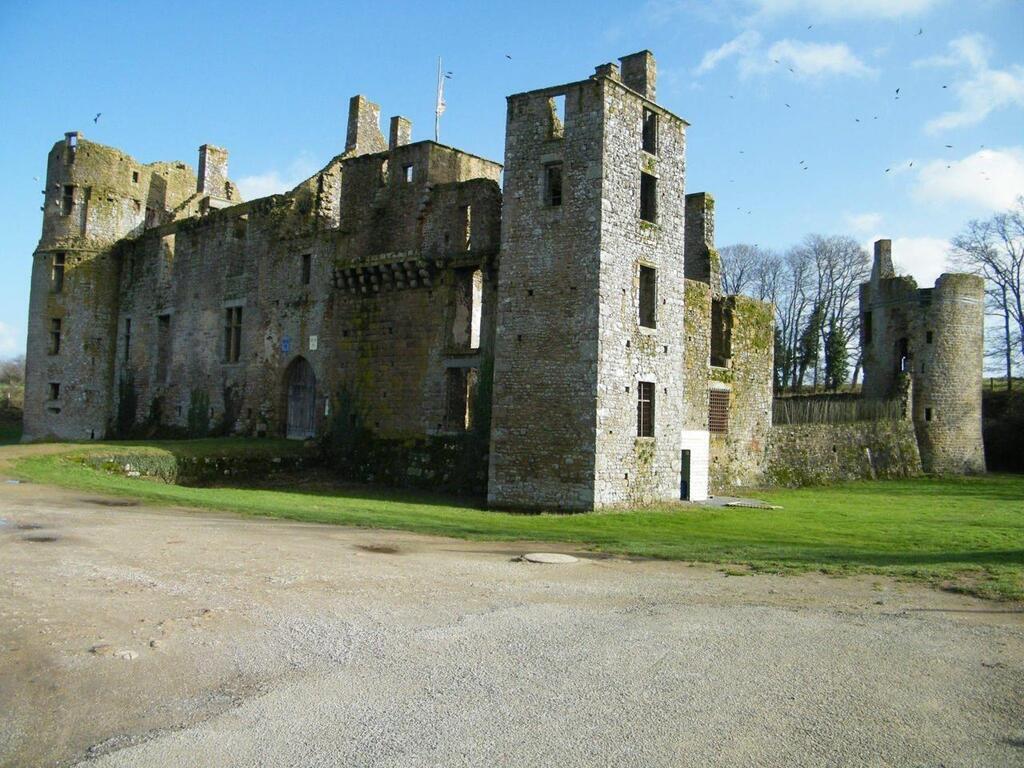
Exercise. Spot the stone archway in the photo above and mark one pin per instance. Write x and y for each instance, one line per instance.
(300, 393)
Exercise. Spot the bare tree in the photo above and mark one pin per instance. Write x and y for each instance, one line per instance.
(994, 249)
(12, 371)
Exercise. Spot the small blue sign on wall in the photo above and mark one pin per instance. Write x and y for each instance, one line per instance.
(286, 345)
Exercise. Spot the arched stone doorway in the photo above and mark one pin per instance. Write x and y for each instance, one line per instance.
(300, 391)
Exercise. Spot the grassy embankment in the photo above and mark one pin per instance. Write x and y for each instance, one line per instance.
(965, 534)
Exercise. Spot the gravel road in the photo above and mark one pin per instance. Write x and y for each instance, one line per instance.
(138, 636)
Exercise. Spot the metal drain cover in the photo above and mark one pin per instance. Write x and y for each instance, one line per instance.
(549, 558)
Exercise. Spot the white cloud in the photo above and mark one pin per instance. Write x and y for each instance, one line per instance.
(274, 182)
(862, 223)
(843, 9)
(979, 89)
(990, 178)
(923, 258)
(803, 60)
(12, 341)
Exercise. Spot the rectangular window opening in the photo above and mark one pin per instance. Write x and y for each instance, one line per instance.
(553, 184)
(557, 105)
(929, 337)
(466, 226)
(866, 327)
(54, 390)
(927, 414)
(648, 297)
(127, 339)
(718, 411)
(467, 309)
(645, 409)
(648, 198)
(650, 132)
(67, 200)
(135, 177)
(408, 173)
(461, 392)
(55, 330)
(57, 274)
(232, 334)
(307, 267)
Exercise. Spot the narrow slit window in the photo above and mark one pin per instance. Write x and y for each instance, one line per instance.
(127, 339)
(307, 267)
(648, 198)
(645, 409)
(557, 104)
(163, 348)
(648, 303)
(866, 327)
(929, 337)
(408, 173)
(650, 132)
(55, 331)
(553, 184)
(718, 411)
(461, 391)
(54, 390)
(57, 275)
(927, 414)
(466, 225)
(232, 334)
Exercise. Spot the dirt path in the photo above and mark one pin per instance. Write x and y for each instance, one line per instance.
(142, 636)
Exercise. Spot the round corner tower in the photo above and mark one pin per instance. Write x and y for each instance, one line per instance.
(934, 335)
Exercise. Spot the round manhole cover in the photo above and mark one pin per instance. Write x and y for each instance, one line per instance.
(549, 558)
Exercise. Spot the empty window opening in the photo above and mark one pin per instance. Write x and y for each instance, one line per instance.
(67, 200)
(241, 227)
(648, 198)
(467, 309)
(902, 356)
(135, 177)
(553, 184)
(645, 409)
(557, 106)
(721, 334)
(152, 218)
(929, 337)
(466, 227)
(650, 131)
(384, 171)
(163, 348)
(57, 273)
(648, 297)
(232, 334)
(718, 411)
(54, 390)
(461, 393)
(927, 414)
(408, 173)
(307, 266)
(127, 339)
(55, 330)
(866, 327)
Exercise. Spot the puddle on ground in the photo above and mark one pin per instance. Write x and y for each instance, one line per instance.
(112, 502)
(377, 549)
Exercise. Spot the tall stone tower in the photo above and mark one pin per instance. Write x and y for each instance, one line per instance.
(934, 335)
(588, 363)
(95, 195)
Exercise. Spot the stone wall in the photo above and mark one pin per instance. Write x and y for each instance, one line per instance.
(818, 454)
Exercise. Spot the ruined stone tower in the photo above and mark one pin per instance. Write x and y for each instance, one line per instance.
(589, 340)
(936, 336)
(94, 196)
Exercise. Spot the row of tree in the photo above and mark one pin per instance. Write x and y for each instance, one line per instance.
(815, 287)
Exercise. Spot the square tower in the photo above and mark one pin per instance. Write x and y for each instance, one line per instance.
(587, 404)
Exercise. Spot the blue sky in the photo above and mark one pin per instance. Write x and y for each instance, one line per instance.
(271, 82)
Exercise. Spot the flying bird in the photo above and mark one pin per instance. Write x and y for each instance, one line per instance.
(949, 146)
(911, 164)
(809, 26)
(920, 32)
(888, 169)
(789, 107)
(508, 57)
(97, 118)
(945, 86)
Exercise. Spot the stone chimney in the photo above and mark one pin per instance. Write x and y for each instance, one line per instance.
(640, 73)
(882, 269)
(700, 261)
(364, 136)
(401, 132)
(608, 70)
(213, 171)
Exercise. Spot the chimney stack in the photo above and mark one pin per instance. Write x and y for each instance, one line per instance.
(213, 171)
(364, 136)
(401, 132)
(640, 73)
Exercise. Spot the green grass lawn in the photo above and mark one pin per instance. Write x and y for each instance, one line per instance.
(959, 533)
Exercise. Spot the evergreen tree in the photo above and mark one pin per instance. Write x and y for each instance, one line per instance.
(837, 364)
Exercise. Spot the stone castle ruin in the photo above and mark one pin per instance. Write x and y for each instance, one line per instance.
(561, 342)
